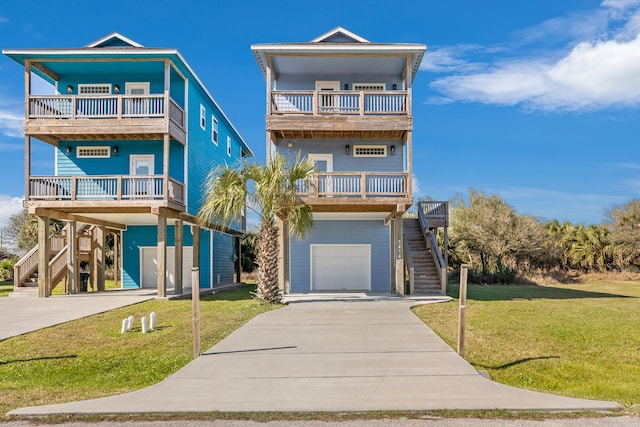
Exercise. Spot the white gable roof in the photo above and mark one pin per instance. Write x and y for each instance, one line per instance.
(341, 34)
(109, 40)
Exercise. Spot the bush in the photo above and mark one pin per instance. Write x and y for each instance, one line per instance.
(6, 268)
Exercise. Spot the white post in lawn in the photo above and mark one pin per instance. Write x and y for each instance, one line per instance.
(463, 306)
(195, 309)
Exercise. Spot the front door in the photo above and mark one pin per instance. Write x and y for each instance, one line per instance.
(324, 163)
(141, 168)
(137, 104)
(328, 101)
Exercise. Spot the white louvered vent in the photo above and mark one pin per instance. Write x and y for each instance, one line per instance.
(368, 87)
(94, 89)
(93, 152)
(369, 151)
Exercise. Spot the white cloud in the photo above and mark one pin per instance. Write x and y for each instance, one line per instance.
(599, 69)
(415, 186)
(11, 124)
(8, 206)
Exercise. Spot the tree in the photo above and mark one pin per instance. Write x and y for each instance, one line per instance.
(248, 251)
(22, 230)
(625, 232)
(271, 191)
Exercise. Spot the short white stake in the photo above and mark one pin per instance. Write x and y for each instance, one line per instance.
(125, 326)
(145, 327)
(130, 323)
(152, 320)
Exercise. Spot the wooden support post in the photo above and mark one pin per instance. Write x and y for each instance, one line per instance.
(116, 257)
(72, 258)
(99, 259)
(179, 256)
(165, 168)
(284, 278)
(463, 307)
(195, 231)
(44, 253)
(195, 310)
(238, 258)
(399, 255)
(162, 256)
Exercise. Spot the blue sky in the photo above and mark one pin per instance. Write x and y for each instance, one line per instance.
(536, 101)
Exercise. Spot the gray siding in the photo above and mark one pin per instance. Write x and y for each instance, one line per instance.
(348, 163)
(289, 82)
(372, 232)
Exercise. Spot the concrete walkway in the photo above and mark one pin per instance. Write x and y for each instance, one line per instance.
(21, 315)
(362, 354)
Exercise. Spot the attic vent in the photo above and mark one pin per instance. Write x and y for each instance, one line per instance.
(368, 87)
(97, 89)
(369, 151)
(93, 152)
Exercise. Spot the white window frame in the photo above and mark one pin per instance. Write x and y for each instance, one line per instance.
(133, 158)
(369, 87)
(145, 86)
(214, 130)
(203, 117)
(356, 148)
(229, 146)
(81, 152)
(83, 86)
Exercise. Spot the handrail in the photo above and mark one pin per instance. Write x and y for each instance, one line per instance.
(56, 267)
(435, 210)
(104, 187)
(28, 263)
(437, 257)
(358, 185)
(408, 259)
(347, 102)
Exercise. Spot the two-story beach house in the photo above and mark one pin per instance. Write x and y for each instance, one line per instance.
(345, 102)
(135, 133)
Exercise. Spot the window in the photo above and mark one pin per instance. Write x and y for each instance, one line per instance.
(368, 87)
(93, 152)
(214, 130)
(369, 151)
(94, 89)
(203, 118)
(229, 146)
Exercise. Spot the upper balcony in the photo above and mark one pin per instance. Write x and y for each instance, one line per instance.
(358, 192)
(339, 114)
(120, 192)
(51, 118)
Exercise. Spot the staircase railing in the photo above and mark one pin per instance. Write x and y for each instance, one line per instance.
(28, 264)
(437, 210)
(58, 267)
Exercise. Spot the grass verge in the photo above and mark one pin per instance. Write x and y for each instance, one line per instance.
(572, 340)
(89, 358)
(6, 287)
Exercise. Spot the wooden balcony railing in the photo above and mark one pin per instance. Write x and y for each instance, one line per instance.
(338, 102)
(358, 185)
(104, 107)
(108, 187)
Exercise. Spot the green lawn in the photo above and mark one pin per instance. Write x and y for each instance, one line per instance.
(6, 287)
(89, 358)
(574, 340)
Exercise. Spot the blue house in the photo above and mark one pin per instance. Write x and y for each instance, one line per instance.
(135, 133)
(345, 103)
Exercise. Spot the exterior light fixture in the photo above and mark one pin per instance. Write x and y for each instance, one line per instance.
(115, 150)
(394, 86)
(290, 144)
(69, 89)
(346, 86)
(68, 149)
(116, 88)
(392, 149)
(347, 149)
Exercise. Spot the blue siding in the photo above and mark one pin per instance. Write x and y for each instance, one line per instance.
(204, 155)
(223, 260)
(343, 162)
(372, 232)
(137, 236)
(118, 164)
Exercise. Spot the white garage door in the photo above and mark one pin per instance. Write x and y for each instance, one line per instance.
(150, 266)
(340, 267)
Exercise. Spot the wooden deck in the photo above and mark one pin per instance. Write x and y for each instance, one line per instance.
(51, 118)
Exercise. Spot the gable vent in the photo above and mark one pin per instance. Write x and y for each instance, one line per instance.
(369, 151)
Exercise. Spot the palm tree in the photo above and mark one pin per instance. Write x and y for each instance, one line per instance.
(271, 191)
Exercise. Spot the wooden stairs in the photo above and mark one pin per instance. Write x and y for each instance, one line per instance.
(426, 277)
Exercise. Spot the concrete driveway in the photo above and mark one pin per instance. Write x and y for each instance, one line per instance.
(355, 355)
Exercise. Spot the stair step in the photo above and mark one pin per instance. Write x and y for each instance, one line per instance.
(24, 292)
